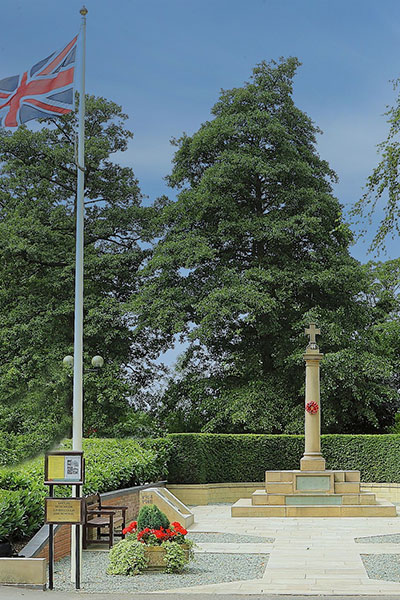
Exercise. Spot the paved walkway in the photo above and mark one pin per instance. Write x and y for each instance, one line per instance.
(309, 555)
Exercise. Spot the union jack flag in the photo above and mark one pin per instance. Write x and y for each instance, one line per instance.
(47, 89)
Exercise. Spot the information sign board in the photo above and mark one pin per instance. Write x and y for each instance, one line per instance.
(64, 467)
(64, 510)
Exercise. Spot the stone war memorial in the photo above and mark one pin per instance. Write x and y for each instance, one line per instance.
(312, 491)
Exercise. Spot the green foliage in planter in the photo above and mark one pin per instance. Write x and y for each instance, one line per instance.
(152, 517)
(217, 458)
(175, 558)
(127, 557)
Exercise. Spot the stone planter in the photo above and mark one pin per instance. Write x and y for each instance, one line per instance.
(155, 556)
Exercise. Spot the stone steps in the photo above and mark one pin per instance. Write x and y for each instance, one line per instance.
(262, 498)
(245, 508)
(287, 487)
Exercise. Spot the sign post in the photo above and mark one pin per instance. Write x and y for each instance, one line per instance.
(65, 468)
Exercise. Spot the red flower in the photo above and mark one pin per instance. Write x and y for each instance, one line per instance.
(131, 527)
(179, 529)
(159, 534)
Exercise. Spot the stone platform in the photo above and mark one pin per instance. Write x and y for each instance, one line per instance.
(312, 494)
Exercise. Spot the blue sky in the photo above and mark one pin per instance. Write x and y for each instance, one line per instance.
(166, 61)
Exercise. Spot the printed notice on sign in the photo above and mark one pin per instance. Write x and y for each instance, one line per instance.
(72, 468)
(56, 467)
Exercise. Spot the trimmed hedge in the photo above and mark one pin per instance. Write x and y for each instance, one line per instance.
(110, 465)
(188, 458)
(14, 448)
(218, 458)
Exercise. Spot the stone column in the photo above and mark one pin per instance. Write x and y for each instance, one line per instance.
(312, 459)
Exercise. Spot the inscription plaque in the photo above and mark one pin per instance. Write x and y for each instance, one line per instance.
(319, 483)
(64, 510)
(313, 500)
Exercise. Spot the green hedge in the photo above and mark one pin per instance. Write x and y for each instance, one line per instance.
(214, 458)
(14, 448)
(110, 465)
(188, 458)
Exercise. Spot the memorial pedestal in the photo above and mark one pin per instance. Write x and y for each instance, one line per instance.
(312, 494)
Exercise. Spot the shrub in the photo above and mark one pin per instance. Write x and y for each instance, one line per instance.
(151, 516)
(218, 458)
(175, 557)
(21, 510)
(11, 515)
(127, 557)
(15, 448)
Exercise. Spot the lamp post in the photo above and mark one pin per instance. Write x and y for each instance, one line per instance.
(97, 361)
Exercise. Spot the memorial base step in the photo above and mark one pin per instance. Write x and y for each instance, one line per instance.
(288, 476)
(245, 508)
(262, 498)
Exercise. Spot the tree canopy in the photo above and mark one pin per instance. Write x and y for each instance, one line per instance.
(254, 248)
(37, 257)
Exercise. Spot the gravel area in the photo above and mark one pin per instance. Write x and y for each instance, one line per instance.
(227, 538)
(205, 569)
(391, 538)
(382, 566)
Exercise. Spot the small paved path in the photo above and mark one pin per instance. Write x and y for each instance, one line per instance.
(309, 555)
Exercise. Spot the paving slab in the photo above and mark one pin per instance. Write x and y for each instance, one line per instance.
(308, 556)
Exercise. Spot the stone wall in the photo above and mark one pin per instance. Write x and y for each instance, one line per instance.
(386, 491)
(38, 547)
(212, 493)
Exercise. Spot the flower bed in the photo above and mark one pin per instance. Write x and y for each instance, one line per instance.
(151, 549)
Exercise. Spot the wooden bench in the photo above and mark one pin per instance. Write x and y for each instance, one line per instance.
(102, 517)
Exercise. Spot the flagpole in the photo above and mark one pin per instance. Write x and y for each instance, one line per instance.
(80, 212)
(77, 412)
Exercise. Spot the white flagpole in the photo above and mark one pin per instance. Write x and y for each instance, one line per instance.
(80, 212)
(77, 413)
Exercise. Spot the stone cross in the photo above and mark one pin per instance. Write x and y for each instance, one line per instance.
(312, 331)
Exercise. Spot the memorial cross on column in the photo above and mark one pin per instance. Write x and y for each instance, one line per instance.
(312, 459)
(312, 331)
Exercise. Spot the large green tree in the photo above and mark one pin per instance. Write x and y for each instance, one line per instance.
(255, 247)
(37, 254)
